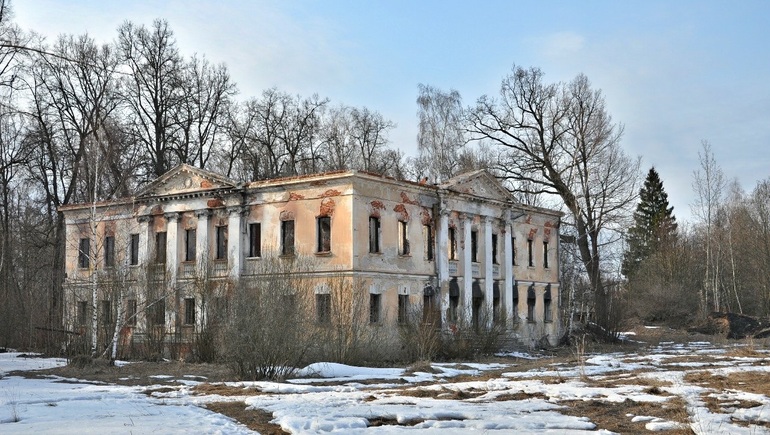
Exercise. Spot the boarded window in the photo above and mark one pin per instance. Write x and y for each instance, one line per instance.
(452, 244)
(474, 246)
(323, 308)
(255, 239)
(109, 251)
(189, 244)
(403, 308)
(403, 238)
(287, 237)
(189, 311)
(221, 241)
(160, 248)
(324, 232)
(134, 250)
(374, 308)
(84, 254)
(374, 234)
(427, 232)
(131, 311)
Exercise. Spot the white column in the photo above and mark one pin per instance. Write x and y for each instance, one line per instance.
(172, 246)
(143, 272)
(467, 270)
(488, 273)
(509, 278)
(144, 244)
(442, 260)
(202, 243)
(234, 237)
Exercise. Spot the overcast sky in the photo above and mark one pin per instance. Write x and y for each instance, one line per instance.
(674, 73)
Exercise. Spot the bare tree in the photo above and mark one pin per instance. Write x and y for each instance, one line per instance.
(441, 137)
(558, 139)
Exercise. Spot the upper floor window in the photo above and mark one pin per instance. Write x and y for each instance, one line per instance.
(160, 247)
(190, 236)
(374, 234)
(287, 237)
(324, 232)
(494, 249)
(545, 254)
(474, 246)
(427, 232)
(513, 251)
(530, 253)
(84, 254)
(221, 240)
(403, 238)
(109, 251)
(255, 239)
(452, 243)
(133, 254)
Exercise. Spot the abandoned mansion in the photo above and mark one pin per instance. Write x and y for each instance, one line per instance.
(464, 249)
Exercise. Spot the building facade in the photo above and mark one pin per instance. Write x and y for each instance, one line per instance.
(463, 250)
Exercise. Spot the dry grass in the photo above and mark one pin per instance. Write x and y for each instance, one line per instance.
(441, 393)
(520, 396)
(751, 382)
(206, 389)
(255, 419)
(614, 416)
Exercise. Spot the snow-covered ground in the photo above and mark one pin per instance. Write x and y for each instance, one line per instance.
(455, 398)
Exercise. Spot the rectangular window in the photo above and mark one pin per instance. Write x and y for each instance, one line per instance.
(513, 251)
(82, 312)
(454, 303)
(134, 250)
(189, 311)
(324, 232)
(548, 314)
(287, 237)
(474, 246)
(494, 249)
(255, 239)
(545, 254)
(374, 308)
(109, 251)
(131, 311)
(403, 238)
(221, 241)
(427, 232)
(84, 254)
(452, 244)
(106, 312)
(530, 309)
(190, 236)
(323, 307)
(403, 308)
(160, 248)
(430, 312)
(157, 312)
(530, 253)
(374, 234)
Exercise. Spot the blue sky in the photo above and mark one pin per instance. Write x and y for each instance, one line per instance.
(673, 73)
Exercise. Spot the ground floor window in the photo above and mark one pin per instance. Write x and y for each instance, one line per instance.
(323, 307)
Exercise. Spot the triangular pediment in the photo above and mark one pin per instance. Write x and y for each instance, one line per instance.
(185, 179)
(478, 183)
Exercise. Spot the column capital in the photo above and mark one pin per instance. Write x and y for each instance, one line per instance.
(172, 216)
(142, 219)
(234, 209)
(203, 214)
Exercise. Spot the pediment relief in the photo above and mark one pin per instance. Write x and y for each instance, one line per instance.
(478, 183)
(185, 179)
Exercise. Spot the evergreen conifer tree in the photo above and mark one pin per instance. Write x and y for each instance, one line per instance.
(654, 224)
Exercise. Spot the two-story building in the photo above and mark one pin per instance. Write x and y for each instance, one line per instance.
(463, 249)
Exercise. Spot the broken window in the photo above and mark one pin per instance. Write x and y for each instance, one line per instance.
(106, 312)
(109, 251)
(287, 237)
(531, 304)
(323, 307)
(403, 238)
(190, 236)
(82, 314)
(427, 234)
(454, 299)
(324, 231)
(255, 239)
(221, 242)
(374, 308)
(374, 234)
(189, 311)
(131, 311)
(515, 300)
(547, 311)
(452, 243)
(160, 248)
(545, 254)
(134, 250)
(477, 303)
(474, 246)
(530, 253)
(84, 254)
(157, 312)
(403, 308)
(513, 251)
